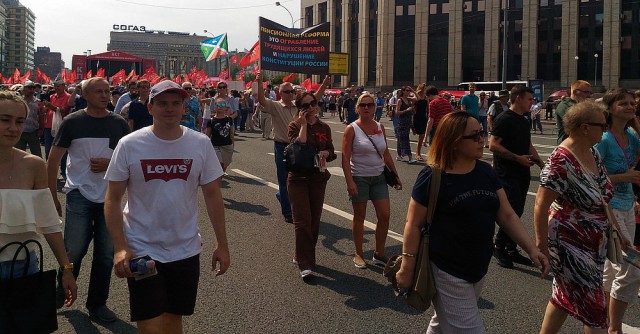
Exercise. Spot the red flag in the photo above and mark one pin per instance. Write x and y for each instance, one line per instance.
(193, 70)
(89, 75)
(256, 69)
(156, 80)
(252, 56)
(248, 84)
(15, 78)
(234, 59)
(100, 73)
(46, 78)
(71, 77)
(290, 78)
(148, 73)
(25, 77)
(187, 77)
(118, 77)
(241, 75)
(178, 79)
(224, 75)
(306, 84)
(38, 74)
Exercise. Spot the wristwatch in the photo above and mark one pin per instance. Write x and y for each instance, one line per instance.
(67, 267)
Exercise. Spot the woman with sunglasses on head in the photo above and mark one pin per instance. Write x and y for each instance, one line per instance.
(470, 202)
(404, 111)
(619, 149)
(27, 210)
(306, 190)
(571, 222)
(364, 145)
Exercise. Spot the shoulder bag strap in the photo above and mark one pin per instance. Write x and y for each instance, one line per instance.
(372, 143)
(434, 190)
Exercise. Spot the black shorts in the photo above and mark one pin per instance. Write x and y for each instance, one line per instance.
(172, 290)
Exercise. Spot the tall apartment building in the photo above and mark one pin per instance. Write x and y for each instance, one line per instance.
(3, 39)
(50, 63)
(445, 42)
(20, 37)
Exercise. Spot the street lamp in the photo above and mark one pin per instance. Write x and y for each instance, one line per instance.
(285, 8)
(576, 58)
(208, 32)
(595, 75)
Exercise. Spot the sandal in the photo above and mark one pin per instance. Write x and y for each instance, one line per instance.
(419, 157)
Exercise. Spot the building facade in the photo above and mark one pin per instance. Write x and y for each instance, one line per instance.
(445, 42)
(50, 63)
(175, 52)
(18, 44)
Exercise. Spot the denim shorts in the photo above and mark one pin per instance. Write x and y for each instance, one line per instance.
(371, 188)
(18, 269)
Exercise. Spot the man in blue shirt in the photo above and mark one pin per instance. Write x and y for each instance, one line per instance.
(469, 102)
(379, 106)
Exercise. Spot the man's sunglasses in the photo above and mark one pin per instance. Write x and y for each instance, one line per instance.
(188, 88)
(366, 105)
(222, 87)
(476, 136)
(288, 91)
(221, 105)
(308, 105)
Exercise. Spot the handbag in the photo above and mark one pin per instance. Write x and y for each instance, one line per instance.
(423, 288)
(299, 158)
(28, 303)
(614, 244)
(389, 175)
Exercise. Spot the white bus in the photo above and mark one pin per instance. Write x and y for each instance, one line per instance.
(490, 86)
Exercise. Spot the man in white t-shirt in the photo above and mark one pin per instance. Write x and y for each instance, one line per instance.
(155, 170)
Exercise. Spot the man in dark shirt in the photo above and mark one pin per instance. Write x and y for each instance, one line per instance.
(349, 105)
(139, 116)
(513, 155)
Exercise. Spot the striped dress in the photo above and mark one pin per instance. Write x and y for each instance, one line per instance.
(577, 236)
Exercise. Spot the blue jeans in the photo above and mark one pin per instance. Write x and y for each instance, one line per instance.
(85, 221)
(483, 122)
(281, 169)
(19, 267)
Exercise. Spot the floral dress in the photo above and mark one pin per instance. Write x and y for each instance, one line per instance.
(578, 236)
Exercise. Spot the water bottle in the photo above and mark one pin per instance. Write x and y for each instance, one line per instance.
(142, 266)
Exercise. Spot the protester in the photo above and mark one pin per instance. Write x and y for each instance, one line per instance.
(536, 115)
(191, 104)
(469, 102)
(57, 103)
(470, 202)
(498, 106)
(571, 224)
(220, 131)
(349, 106)
(115, 95)
(89, 136)
(333, 105)
(31, 129)
(438, 108)
(138, 112)
(127, 97)
(483, 108)
(364, 144)
(404, 112)
(282, 113)
(27, 206)
(153, 223)
(379, 106)
(580, 91)
(420, 118)
(307, 190)
(513, 156)
(620, 148)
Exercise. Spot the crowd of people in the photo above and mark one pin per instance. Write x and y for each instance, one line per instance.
(104, 142)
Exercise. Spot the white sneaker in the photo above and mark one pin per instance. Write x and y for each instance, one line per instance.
(412, 161)
(306, 273)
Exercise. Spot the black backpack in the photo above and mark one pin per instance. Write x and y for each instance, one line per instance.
(299, 158)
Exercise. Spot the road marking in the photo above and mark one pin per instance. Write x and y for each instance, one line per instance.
(348, 216)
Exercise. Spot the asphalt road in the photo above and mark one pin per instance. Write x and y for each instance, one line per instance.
(263, 292)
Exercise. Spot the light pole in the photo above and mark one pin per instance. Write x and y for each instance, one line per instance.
(504, 44)
(576, 58)
(285, 8)
(595, 75)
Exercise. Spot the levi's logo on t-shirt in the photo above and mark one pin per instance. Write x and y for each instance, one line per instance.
(165, 169)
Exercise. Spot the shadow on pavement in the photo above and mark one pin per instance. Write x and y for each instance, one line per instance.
(82, 324)
(485, 304)
(244, 180)
(365, 294)
(246, 207)
(532, 271)
(332, 234)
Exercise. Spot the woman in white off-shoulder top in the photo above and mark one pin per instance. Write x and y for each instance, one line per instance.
(26, 206)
